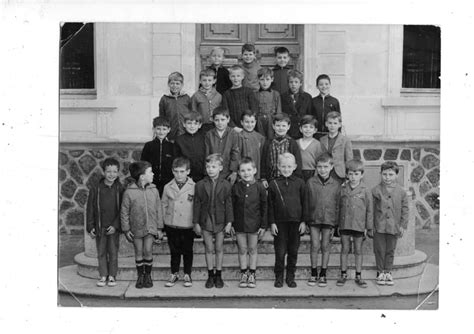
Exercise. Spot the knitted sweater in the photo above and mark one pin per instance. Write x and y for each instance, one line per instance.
(205, 103)
(280, 79)
(251, 77)
(237, 101)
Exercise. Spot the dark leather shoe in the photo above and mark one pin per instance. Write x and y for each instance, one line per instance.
(147, 281)
(210, 282)
(139, 283)
(218, 282)
(278, 282)
(291, 282)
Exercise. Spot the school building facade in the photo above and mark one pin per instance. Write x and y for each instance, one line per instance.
(389, 94)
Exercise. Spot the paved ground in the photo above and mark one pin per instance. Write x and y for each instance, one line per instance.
(426, 241)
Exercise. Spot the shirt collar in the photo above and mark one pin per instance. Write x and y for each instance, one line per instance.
(269, 89)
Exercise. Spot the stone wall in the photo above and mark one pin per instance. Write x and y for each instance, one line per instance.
(79, 166)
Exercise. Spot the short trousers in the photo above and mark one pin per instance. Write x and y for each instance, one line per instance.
(323, 226)
(352, 233)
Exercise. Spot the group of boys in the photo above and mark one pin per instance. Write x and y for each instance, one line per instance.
(236, 158)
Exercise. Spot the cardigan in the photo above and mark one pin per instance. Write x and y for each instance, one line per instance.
(322, 201)
(390, 208)
(280, 79)
(269, 102)
(174, 108)
(193, 147)
(296, 106)
(341, 153)
(310, 154)
(227, 146)
(237, 101)
(178, 204)
(205, 104)
(249, 202)
(251, 145)
(356, 208)
(286, 200)
(320, 107)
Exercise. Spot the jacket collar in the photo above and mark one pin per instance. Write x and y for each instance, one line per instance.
(269, 89)
(329, 180)
(278, 67)
(189, 182)
(181, 94)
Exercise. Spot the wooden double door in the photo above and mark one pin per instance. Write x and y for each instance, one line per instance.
(265, 37)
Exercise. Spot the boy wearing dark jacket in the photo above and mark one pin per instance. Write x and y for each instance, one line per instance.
(285, 216)
(103, 220)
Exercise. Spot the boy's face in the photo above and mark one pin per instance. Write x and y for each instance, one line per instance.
(294, 84)
(324, 169)
(333, 125)
(354, 177)
(217, 57)
(247, 172)
(282, 59)
(192, 126)
(308, 130)
(213, 169)
(221, 121)
(181, 174)
(248, 56)
(161, 131)
(111, 173)
(286, 167)
(147, 177)
(175, 86)
(236, 78)
(324, 86)
(389, 177)
(265, 81)
(281, 128)
(207, 82)
(248, 123)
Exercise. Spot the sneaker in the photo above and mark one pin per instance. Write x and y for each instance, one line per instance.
(210, 282)
(342, 280)
(188, 282)
(312, 281)
(102, 281)
(322, 281)
(139, 283)
(252, 281)
(111, 281)
(360, 282)
(173, 279)
(388, 279)
(218, 282)
(243, 280)
(380, 280)
(147, 281)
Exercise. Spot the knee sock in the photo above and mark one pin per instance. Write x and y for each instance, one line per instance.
(147, 265)
(314, 272)
(323, 272)
(218, 273)
(210, 273)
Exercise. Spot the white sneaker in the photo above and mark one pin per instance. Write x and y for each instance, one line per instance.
(243, 280)
(102, 281)
(111, 281)
(172, 281)
(252, 281)
(188, 282)
(380, 279)
(389, 279)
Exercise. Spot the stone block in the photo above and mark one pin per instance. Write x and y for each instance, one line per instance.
(406, 155)
(68, 188)
(62, 175)
(76, 153)
(429, 161)
(75, 172)
(372, 154)
(433, 176)
(433, 200)
(136, 155)
(422, 211)
(97, 154)
(391, 154)
(109, 153)
(94, 178)
(417, 174)
(63, 159)
(427, 225)
(425, 186)
(432, 150)
(123, 154)
(87, 163)
(81, 197)
(418, 222)
(75, 217)
(65, 205)
(416, 154)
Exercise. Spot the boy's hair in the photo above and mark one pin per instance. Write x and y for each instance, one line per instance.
(181, 162)
(234, 68)
(248, 47)
(281, 49)
(216, 49)
(265, 72)
(390, 165)
(192, 116)
(220, 111)
(325, 157)
(286, 156)
(321, 77)
(248, 113)
(110, 162)
(334, 115)
(176, 76)
(209, 72)
(296, 74)
(281, 117)
(161, 121)
(355, 165)
(215, 157)
(309, 119)
(247, 160)
(138, 168)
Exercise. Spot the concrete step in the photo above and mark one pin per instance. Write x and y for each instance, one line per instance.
(404, 266)
(71, 282)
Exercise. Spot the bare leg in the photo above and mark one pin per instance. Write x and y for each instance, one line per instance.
(219, 247)
(346, 242)
(326, 234)
(252, 241)
(209, 248)
(242, 245)
(315, 245)
(358, 253)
